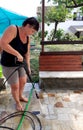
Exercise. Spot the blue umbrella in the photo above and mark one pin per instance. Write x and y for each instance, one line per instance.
(8, 18)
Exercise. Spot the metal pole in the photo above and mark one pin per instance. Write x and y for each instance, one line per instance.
(43, 11)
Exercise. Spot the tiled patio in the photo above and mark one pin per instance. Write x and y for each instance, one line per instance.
(59, 109)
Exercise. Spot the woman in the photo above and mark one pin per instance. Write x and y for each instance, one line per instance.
(15, 43)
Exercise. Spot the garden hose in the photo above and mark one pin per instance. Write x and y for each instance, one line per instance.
(24, 64)
(32, 118)
(26, 108)
(8, 78)
(7, 128)
(35, 122)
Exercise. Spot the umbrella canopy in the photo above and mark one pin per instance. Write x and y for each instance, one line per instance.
(8, 18)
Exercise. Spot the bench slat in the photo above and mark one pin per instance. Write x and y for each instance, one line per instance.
(60, 68)
(43, 62)
(60, 63)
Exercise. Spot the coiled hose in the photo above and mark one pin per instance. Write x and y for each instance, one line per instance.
(32, 119)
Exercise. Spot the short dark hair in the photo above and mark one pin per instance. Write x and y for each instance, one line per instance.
(33, 22)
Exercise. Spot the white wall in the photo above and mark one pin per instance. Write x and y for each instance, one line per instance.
(64, 25)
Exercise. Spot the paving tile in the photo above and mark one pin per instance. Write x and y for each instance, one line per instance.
(63, 117)
(68, 117)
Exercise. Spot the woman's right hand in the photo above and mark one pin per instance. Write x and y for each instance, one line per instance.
(19, 58)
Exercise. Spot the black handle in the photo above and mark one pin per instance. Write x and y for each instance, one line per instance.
(23, 64)
(26, 69)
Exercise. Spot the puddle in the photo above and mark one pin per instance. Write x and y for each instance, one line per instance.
(28, 87)
(47, 106)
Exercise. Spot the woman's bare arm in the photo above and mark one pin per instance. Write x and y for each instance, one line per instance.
(27, 57)
(7, 37)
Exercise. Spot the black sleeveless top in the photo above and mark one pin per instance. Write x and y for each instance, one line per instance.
(8, 59)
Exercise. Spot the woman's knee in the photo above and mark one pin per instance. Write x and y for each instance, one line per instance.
(22, 81)
(15, 86)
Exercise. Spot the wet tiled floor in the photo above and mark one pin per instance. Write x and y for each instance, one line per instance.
(58, 109)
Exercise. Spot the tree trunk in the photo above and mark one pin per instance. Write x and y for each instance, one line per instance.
(55, 28)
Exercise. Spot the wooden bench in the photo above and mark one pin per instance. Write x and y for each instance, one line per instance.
(61, 69)
(58, 61)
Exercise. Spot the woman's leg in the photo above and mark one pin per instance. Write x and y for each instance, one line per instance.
(13, 80)
(22, 81)
(15, 94)
(17, 81)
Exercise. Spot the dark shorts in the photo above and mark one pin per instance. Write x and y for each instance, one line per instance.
(12, 75)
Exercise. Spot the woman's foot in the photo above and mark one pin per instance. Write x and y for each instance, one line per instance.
(19, 107)
(23, 99)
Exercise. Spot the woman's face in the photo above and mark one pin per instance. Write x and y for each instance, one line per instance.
(30, 30)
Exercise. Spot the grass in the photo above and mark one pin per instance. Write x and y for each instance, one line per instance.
(72, 47)
(35, 63)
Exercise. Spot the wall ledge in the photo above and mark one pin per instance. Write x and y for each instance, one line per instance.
(61, 74)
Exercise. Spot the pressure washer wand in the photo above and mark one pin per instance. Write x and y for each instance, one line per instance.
(27, 72)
